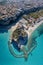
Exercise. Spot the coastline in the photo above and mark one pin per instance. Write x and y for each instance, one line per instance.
(10, 22)
(32, 29)
(29, 31)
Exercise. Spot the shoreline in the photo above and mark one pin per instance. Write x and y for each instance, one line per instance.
(29, 31)
(26, 53)
(32, 29)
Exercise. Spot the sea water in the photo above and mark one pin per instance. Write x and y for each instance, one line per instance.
(35, 58)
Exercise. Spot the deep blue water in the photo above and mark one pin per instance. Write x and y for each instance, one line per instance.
(7, 59)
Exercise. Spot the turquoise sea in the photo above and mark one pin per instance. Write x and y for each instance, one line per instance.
(35, 58)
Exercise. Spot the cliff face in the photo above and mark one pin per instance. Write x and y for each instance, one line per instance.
(11, 11)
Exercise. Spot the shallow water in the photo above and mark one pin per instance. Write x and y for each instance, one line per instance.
(35, 58)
